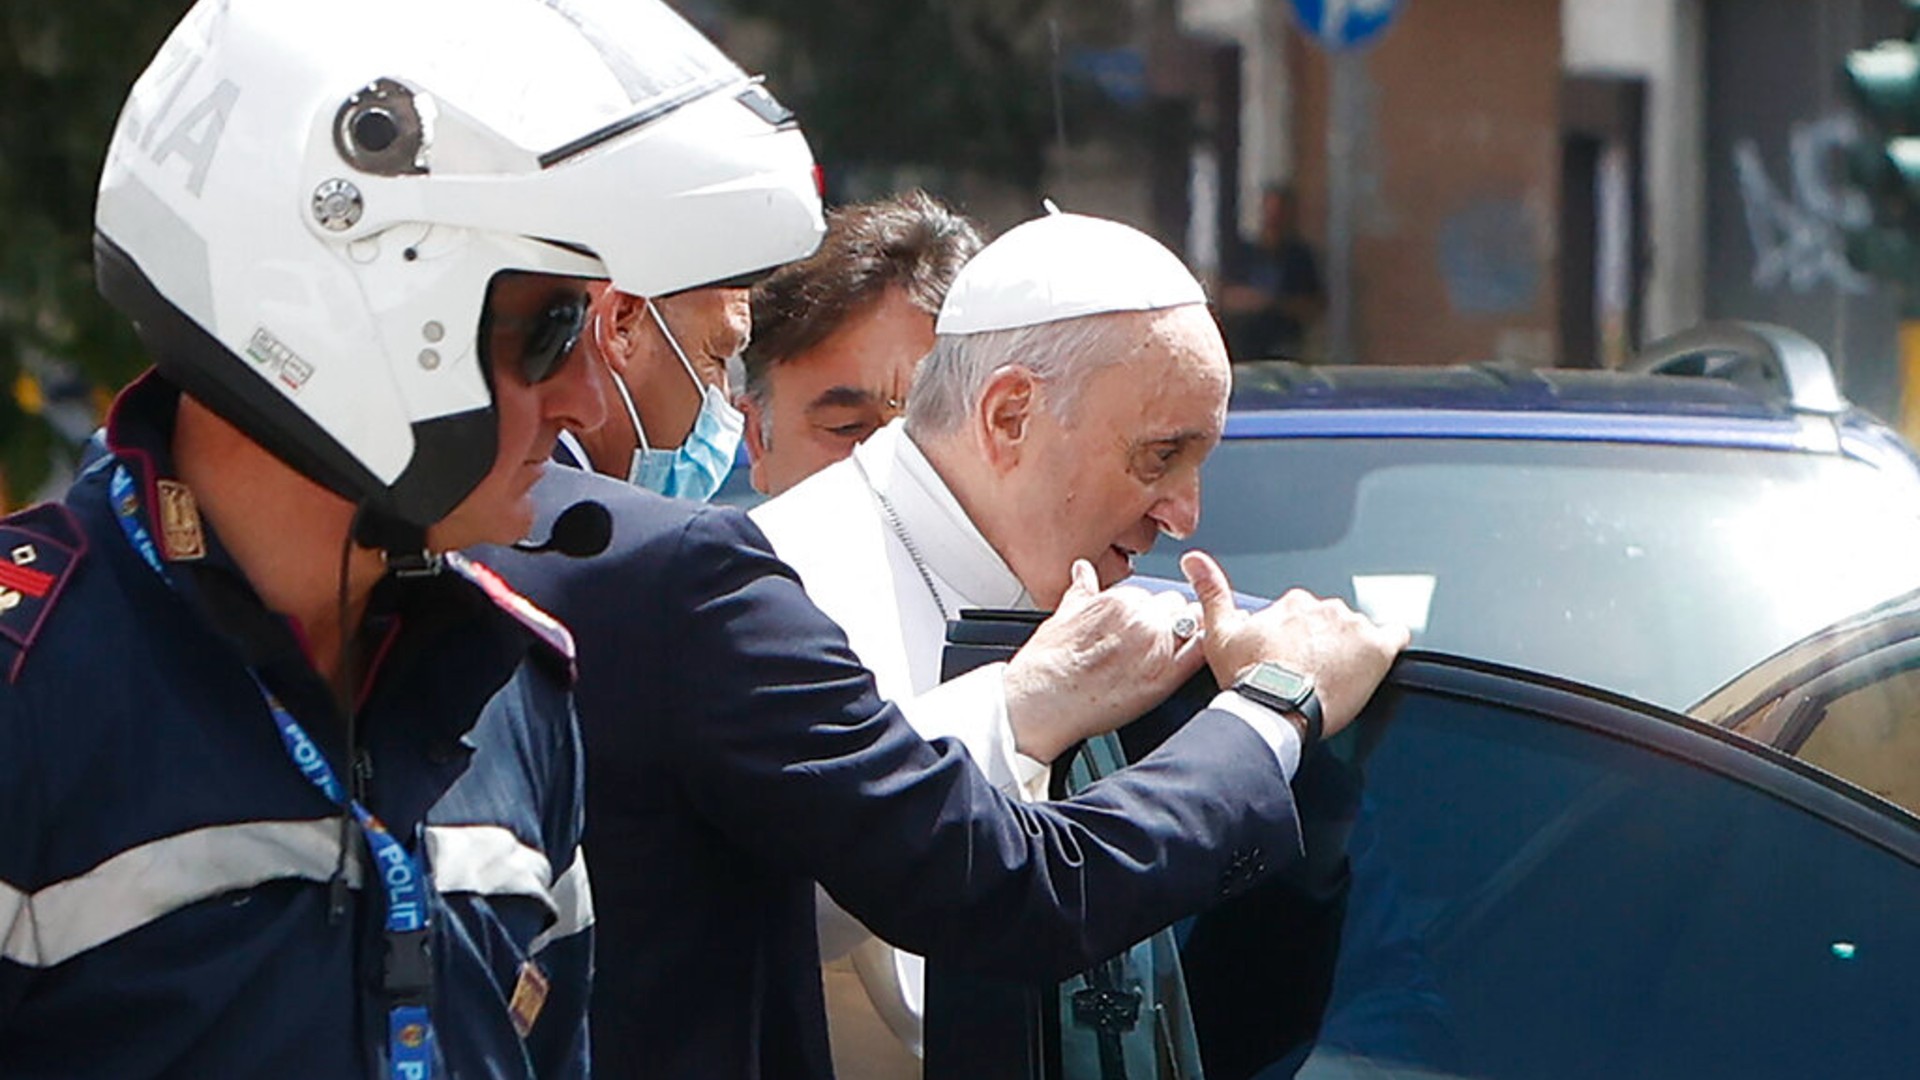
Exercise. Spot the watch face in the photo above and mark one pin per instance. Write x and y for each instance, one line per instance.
(1283, 683)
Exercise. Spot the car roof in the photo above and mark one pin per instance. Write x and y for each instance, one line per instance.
(1283, 398)
(1280, 384)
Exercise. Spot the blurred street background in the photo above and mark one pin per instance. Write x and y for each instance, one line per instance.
(1543, 182)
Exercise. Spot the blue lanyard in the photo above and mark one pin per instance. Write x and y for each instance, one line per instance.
(409, 970)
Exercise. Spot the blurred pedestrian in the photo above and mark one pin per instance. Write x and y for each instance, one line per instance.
(1272, 298)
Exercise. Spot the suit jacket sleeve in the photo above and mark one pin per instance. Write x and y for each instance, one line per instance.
(787, 748)
(972, 709)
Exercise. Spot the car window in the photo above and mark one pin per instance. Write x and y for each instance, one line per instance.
(1864, 724)
(1654, 571)
(1846, 699)
(1544, 885)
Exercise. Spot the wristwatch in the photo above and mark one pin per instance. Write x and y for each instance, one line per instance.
(1286, 691)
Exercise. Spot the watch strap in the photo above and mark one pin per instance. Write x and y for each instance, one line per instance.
(1310, 711)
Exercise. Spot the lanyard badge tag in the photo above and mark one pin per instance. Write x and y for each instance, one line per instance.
(529, 997)
(181, 537)
(410, 1043)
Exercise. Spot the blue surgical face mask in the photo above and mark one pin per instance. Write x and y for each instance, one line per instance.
(700, 465)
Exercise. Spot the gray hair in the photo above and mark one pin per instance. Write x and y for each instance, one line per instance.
(1062, 355)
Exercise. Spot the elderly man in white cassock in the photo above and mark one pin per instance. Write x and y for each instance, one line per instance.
(1054, 432)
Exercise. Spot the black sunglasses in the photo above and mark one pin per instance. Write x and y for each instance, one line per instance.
(546, 339)
(551, 337)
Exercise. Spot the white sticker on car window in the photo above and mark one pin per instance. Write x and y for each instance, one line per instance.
(1395, 598)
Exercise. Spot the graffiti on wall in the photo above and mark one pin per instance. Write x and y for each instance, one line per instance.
(1489, 257)
(1799, 234)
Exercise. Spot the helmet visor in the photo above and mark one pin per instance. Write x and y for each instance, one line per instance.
(590, 70)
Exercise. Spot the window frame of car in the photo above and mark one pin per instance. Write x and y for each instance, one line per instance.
(1002, 1042)
(1800, 688)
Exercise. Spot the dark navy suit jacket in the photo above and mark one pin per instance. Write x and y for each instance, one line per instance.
(737, 752)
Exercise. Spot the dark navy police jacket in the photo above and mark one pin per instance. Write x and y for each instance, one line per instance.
(164, 869)
(737, 752)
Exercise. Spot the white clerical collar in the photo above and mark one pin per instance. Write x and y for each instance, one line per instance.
(954, 551)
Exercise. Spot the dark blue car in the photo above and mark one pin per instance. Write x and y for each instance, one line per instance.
(1539, 870)
(1547, 876)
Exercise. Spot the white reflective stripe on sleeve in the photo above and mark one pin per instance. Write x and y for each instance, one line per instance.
(488, 860)
(146, 883)
(159, 877)
(13, 905)
(573, 893)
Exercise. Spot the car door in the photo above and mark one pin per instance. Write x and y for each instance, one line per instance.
(1545, 881)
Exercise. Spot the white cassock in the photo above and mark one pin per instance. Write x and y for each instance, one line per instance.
(884, 549)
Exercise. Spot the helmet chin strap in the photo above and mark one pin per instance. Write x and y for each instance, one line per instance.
(402, 544)
(343, 682)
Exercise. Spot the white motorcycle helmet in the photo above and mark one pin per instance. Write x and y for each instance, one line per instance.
(303, 206)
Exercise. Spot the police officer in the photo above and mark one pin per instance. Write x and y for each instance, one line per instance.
(288, 786)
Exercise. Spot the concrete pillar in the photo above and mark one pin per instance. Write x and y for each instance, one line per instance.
(1662, 42)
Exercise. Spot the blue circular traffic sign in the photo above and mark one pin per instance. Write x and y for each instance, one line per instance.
(1343, 24)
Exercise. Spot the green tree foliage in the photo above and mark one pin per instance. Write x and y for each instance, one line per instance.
(64, 69)
(961, 85)
(964, 86)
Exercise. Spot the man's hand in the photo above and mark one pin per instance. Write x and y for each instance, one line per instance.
(1099, 661)
(1346, 653)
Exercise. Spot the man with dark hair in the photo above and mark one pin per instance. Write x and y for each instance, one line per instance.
(837, 334)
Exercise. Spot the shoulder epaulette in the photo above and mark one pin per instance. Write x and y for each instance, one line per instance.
(40, 548)
(544, 626)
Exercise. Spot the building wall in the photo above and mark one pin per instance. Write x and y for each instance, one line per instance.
(1266, 93)
(1456, 151)
(1661, 42)
(1778, 203)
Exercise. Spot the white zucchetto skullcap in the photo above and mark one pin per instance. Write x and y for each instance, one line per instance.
(1063, 266)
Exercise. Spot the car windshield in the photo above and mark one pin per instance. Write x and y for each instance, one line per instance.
(1651, 570)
